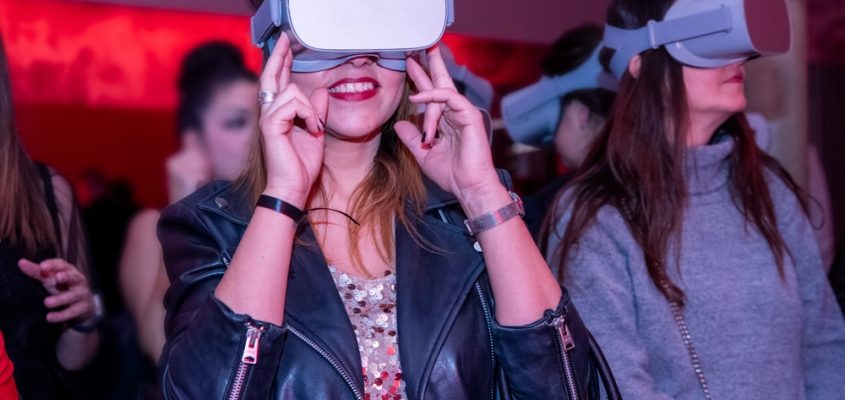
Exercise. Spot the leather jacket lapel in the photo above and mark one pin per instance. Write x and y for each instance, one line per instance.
(313, 307)
(431, 288)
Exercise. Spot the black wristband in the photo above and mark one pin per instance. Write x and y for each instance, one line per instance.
(281, 207)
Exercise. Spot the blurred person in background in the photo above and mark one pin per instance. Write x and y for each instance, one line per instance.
(217, 118)
(48, 313)
(583, 110)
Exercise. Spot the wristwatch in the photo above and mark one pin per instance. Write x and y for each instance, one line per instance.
(99, 313)
(496, 218)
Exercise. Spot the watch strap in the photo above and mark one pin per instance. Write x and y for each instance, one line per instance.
(493, 219)
(281, 207)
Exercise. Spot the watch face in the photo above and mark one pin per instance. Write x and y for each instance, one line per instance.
(519, 204)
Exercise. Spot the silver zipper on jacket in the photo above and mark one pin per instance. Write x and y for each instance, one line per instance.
(489, 319)
(335, 364)
(248, 358)
(567, 344)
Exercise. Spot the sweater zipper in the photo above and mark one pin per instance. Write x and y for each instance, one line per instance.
(567, 344)
(332, 361)
(248, 358)
(489, 319)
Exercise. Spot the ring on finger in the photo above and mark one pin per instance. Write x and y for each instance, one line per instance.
(266, 97)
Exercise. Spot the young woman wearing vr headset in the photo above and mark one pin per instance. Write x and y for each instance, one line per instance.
(382, 260)
(687, 247)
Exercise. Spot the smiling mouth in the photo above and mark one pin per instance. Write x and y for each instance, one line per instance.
(354, 89)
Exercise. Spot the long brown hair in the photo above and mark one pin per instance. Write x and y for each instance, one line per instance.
(24, 218)
(637, 163)
(394, 183)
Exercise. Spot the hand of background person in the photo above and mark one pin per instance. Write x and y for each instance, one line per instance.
(70, 299)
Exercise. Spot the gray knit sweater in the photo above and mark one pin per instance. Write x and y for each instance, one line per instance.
(759, 336)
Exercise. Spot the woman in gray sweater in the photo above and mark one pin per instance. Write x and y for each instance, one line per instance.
(688, 249)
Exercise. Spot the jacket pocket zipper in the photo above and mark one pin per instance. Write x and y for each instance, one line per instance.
(332, 361)
(249, 357)
(489, 319)
(567, 344)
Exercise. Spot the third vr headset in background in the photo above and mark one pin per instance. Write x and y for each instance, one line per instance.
(697, 33)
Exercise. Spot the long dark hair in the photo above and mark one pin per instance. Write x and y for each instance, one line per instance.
(205, 70)
(637, 163)
(24, 218)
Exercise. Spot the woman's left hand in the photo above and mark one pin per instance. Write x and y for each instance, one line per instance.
(459, 158)
(70, 298)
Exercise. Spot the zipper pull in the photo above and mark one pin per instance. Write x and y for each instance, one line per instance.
(565, 336)
(253, 336)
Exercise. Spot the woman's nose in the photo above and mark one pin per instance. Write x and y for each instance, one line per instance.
(363, 60)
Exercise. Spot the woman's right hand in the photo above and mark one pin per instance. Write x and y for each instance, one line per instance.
(292, 130)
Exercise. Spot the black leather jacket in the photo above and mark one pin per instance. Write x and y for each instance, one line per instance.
(450, 345)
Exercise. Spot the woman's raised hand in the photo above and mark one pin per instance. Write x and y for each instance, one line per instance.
(70, 298)
(292, 129)
(453, 148)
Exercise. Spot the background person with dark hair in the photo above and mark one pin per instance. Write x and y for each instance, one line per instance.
(582, 116)
(217, 118)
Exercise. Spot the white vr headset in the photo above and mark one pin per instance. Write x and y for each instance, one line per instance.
(706, 33)
(532, 114)
(327, 33)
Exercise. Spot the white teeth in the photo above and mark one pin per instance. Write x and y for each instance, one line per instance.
(353, 87)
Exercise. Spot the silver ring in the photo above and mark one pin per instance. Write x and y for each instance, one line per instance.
(265, 97)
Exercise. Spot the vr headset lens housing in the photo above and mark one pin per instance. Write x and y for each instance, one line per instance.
(327, 33)
(707, 33)
(532, 114)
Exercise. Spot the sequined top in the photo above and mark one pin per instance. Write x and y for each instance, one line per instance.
(371, 306)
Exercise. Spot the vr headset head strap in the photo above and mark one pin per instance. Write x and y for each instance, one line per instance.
(628, 43)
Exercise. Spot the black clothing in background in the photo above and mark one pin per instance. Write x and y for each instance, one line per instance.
(30, 339)
(106, 220)
(540, 203)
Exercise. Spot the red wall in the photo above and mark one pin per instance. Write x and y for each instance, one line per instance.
(94, 84)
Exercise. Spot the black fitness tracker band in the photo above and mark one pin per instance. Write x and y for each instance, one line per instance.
(281, 207)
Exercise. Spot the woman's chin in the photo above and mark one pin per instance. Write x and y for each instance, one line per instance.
(355, 133)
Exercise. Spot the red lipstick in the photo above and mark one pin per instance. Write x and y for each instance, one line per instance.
(354, 89)
(739, 77)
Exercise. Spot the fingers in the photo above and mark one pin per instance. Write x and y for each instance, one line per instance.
(448, 97)
(284, 76)
(55, 265)
(65, 298)
(274, 66)
(437, 67)
(410, 136)
(30, 269)
(320, 102)
(433, 112)
(418, 75)
(431, 120)
(281, 121)
(73, 312)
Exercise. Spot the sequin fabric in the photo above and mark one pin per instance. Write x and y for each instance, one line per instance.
(371, 306)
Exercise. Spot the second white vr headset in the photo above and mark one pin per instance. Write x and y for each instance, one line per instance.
(706, 33)
(532, 114)
(327, 33)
